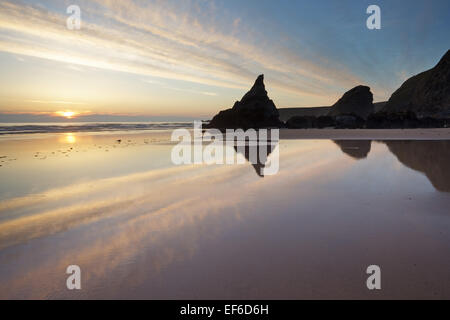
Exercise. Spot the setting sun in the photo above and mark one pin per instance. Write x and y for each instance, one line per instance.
(66, 114)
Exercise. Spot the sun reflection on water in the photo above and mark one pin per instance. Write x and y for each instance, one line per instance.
(69, 138)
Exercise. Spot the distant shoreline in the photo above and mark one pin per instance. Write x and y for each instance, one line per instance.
(287, 113)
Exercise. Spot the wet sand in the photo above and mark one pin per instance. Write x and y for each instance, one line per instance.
(140, 227)
(367, 134)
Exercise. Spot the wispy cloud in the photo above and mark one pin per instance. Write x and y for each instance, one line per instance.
(183, 41)
(75, 68)
(47, 102)
(165, 86)
(206, 93)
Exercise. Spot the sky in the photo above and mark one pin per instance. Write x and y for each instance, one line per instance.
(192, 58)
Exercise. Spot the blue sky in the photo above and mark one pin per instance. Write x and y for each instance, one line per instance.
(194, 57)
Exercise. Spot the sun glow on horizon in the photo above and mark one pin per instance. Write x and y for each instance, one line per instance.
(67, 114)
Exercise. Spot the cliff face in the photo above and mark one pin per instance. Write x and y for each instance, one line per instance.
(255, 110)
(426, 94)
(358, 101)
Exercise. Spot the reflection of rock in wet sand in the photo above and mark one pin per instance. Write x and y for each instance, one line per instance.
(358, 149)
(430, 157)
(261, 158)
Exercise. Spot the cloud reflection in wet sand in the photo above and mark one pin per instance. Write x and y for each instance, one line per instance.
(139, 235)
(136, 210)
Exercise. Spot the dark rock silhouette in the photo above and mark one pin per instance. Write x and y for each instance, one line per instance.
(383, 120)
(301, 122)
(305, 122)
(260, 150)
(262, 157)
(426, 94)
(430, 157)
(404, 120)
(357, 149)
(287, 113)
(349, 122)
(358, 101)
(325, 122)
(255, 110)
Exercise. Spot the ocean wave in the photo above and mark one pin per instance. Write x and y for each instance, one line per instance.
(89, 127)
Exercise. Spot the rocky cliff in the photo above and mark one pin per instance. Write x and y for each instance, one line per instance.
(426, 94)
(358, 101)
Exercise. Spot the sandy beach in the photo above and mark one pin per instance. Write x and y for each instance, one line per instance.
(140, 227)
(367, 134)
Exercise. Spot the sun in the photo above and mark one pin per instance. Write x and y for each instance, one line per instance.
(66, 114)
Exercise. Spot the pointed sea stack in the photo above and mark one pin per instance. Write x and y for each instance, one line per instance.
(426, 94)
(255, 110)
